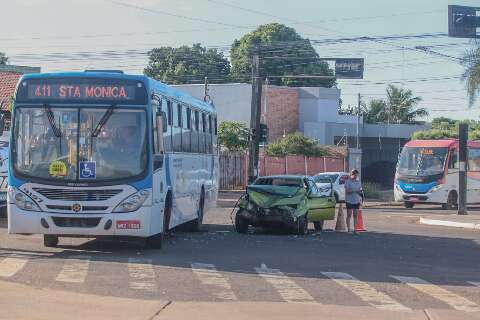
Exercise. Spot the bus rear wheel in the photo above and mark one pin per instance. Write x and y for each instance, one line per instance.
(50, 240)
(196, 225)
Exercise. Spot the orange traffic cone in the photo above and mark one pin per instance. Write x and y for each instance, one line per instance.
(359, 226)
(340, 226)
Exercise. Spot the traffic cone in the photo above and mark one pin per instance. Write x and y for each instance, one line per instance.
(341, 225)
(359, 226)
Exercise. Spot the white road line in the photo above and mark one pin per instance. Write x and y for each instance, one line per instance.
(450, 298)
(366, 292)
(142, 274)
(477, 284)
(210, 277)
(74, 270)
(287, 288)
(10, 266)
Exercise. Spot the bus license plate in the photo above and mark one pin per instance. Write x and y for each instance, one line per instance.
(128, 224)
(414, 199)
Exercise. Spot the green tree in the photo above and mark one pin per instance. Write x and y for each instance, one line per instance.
(376, 111)
(233, 136)
(443, 128)
(295, 143)
(187, 64)
(471, 75)
(401, 106)
(3, 58)
(282, 51)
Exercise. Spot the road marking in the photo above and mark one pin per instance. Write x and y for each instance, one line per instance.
(25, 253)
(10, 266)
(450, 298)
(142, 274)
(286, 287)
(74, 270)
(477, 284)
(366, 292)
(209, 276)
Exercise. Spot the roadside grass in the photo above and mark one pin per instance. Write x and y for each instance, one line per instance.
(375, 191)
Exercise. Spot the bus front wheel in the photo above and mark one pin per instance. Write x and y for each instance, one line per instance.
(155, 241)
(451, 201)
(50, 240)
(409, 205)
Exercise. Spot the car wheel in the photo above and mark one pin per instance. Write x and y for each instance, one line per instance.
(409, 205)
(336, 197)
(318, 225)
(241, 224)
(50, 240)
(155, 241)
(302, 226)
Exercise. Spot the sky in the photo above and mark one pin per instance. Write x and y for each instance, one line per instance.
(63, 35)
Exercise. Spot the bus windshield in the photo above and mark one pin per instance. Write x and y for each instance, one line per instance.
(422, 161)
(86, 144)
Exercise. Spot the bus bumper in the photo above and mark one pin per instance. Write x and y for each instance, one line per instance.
(132, 224)
(438, 196)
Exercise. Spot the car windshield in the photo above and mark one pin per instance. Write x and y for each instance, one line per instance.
(285, 182)
(326, 178)
(71, 144)
(422, 161)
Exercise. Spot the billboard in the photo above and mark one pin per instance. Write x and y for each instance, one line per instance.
(351, 68)
(463, 21)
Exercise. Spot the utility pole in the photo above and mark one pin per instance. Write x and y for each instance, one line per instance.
(358, 121)
(255, 119)
(462, 175)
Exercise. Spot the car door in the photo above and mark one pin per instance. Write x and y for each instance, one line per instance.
(320, 207)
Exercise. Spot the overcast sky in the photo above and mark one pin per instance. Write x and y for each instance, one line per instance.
(77, 34)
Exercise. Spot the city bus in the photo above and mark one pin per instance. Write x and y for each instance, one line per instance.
(103, 153)
(427, 172)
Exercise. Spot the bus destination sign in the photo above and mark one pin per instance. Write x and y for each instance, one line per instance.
(81, 91)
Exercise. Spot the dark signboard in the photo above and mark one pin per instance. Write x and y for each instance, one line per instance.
(349, 68)
(463, 21)
(84, 90)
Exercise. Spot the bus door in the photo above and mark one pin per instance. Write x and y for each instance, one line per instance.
(473, 174)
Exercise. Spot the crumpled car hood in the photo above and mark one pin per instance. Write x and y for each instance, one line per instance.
(271, 196)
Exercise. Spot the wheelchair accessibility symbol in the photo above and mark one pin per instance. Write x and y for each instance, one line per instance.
(88, 170)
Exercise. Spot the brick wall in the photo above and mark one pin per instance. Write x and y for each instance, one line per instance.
(282, 111)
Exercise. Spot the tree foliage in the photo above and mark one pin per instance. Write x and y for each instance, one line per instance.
(295, 143)
(471, 75)
(443, 128)
(233, 136)
(282, 51)
(3, 58)
(400, 106)
(187, 64)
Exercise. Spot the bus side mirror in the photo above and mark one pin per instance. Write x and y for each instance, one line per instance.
(164, 121)
(2, 123)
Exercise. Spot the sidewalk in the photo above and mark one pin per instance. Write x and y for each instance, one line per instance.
(20, 301)
(471, 221)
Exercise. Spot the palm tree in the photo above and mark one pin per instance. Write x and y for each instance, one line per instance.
(401, 106)
(471, 75)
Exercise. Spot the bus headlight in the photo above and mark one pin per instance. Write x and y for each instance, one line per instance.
(133, 202)
(436, 188)
(21, 200)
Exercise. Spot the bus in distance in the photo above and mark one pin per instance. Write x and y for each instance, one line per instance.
(427, 172)
(109, 154)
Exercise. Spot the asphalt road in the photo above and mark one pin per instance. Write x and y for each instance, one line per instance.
(396, 265)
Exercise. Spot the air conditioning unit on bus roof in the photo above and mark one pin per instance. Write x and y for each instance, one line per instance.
(106, 71)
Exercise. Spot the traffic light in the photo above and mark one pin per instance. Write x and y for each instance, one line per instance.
(263, 133)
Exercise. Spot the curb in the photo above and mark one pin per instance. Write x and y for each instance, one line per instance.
(453, 224)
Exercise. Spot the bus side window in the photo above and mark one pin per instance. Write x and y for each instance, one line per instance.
(167, 136)
(209, 134)
(195, 132)
(177, 127)
(203, 133)
(214, 136)
(186, 126)
(453, 163)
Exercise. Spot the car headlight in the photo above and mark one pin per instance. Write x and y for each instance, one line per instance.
(436, 188)
(133, 202)
(21, 200)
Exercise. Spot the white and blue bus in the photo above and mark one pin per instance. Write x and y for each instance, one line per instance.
(102, 153)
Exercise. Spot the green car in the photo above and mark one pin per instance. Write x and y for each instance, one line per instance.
(284, 201)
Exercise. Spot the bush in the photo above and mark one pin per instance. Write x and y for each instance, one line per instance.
(372, 190)
(295, 144)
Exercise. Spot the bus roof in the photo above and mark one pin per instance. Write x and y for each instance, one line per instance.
(445, 143)
(151, 84)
